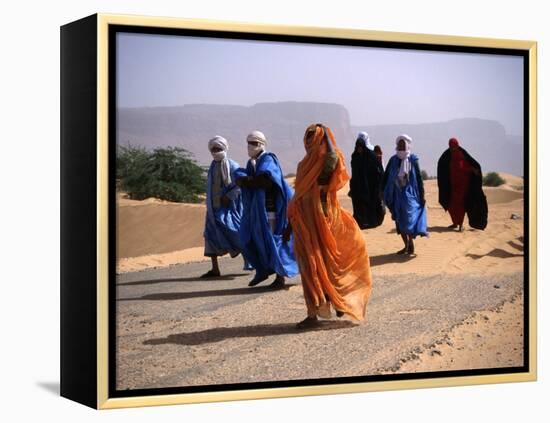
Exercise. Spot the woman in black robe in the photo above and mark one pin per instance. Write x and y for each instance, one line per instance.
(366, 184)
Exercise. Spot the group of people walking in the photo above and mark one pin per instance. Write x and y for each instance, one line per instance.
(399, 188)
(280, 231)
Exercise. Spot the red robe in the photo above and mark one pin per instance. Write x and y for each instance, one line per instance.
(460, 171)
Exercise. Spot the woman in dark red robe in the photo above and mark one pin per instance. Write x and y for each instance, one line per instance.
(460, 193)
(459, 173)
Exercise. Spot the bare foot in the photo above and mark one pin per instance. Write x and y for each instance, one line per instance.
(410, 250)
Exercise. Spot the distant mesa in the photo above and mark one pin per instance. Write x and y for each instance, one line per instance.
(191, 126)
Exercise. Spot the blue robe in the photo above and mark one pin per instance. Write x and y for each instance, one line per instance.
(262, 248)
(221, 229)
(404, 202)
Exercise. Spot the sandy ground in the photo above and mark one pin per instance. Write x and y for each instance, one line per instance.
(159, 238)
(153, 233)
(175, 329)
(483, 340)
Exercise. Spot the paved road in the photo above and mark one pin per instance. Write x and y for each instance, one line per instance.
(174, 329)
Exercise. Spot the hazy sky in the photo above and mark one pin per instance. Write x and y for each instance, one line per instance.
(377, 86)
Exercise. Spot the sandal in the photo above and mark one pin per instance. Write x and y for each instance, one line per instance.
(210, 274)
(278, 283)
(257, 279)
(308, 322)
(403, 251)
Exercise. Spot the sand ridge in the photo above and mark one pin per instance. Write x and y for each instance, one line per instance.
(154, 233)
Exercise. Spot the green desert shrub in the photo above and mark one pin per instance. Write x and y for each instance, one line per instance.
(168, 173)
(493, 179)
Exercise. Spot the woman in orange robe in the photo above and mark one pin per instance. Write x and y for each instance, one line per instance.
(328, 244)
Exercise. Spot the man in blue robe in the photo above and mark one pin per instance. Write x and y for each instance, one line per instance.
(404, 194)
(265, 198)
(223, 207)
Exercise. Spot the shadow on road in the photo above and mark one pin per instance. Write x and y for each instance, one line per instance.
(228, 277)
(204, 294)
(220, 334)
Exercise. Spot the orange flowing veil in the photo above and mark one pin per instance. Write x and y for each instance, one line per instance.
(330, 249)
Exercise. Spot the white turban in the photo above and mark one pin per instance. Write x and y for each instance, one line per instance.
(408, 140)
(405, 167)
(221, 142)
(257, 136)
(254, 151)
(218, 141)
(365, 137)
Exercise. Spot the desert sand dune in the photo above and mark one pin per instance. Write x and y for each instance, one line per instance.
(157, 227)
(512, 181)
(155, 233)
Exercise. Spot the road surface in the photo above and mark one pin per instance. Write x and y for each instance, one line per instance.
(174, 329)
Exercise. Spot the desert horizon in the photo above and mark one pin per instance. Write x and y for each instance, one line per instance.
(190, 126)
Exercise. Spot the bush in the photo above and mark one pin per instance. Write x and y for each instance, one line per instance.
(166, 173)
(128, 160)
(424, 175)
(493, 179)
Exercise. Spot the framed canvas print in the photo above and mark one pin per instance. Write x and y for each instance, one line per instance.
(255, 211)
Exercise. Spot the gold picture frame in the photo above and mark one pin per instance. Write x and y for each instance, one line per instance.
(93, 33)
